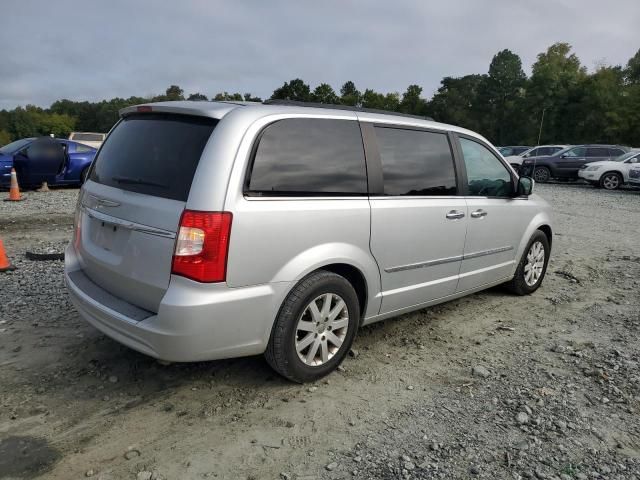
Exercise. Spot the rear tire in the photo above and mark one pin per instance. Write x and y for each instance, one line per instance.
(611, 181)
(532, 267)
(320, 311)
(542, 174)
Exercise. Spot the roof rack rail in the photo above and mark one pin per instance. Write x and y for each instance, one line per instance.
(296, 103)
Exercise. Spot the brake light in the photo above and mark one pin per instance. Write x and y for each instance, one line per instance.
(202, 246)
(144, 108)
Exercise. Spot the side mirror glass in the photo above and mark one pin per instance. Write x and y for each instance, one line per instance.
(564, 155)
(525, 186)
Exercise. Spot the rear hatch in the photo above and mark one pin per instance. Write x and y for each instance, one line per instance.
(131, 206)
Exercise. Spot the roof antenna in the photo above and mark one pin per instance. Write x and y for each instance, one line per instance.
(535, 159)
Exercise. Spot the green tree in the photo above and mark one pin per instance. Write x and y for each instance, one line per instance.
(457, 102)
(197, 97)
(555, 86)
(632, 72)
(503, 87)
(349, 94)
(295, 90)
(412, 102)
(380, 101)
(174, 92)
(323, 93)
(228, 97)
(5, 137)
(250, 98)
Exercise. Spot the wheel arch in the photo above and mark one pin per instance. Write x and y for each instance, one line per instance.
(546, 229)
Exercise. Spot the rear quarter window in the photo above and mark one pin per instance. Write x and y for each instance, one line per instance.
(154, 154)
(309, 157)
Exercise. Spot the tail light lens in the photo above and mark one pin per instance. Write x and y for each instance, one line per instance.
(202, 246)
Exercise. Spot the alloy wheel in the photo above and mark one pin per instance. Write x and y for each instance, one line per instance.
(321, 329)
(610, 181)
(535, 264)
(541, 175)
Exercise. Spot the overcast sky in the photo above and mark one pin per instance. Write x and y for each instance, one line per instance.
(91, 50)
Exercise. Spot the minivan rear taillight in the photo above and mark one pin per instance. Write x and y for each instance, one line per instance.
(202, 246)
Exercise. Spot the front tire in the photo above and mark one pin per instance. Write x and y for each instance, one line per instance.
(532, 266)
(315, 327)
(542, 174)
(611, 181)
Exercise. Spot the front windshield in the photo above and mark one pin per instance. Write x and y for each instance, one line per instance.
(14, 146)
(625, 156)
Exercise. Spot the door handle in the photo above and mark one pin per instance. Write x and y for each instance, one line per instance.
(455, 215)
(478, 213)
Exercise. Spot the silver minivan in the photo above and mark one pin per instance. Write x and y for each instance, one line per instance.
(211, 230)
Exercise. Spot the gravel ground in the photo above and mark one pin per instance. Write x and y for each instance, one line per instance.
(488, 386)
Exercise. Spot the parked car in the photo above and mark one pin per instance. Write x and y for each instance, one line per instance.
(228, 230)
(610, 174)
(566, 163)
(540, 151)
(634, 175)
(88, 138)
(53, 160)
(512, 150)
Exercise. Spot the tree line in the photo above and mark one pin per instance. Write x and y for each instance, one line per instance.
(503, 104)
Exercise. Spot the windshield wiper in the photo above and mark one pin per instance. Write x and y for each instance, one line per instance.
(138, 181)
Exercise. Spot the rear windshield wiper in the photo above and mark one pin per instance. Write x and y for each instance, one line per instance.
(138, 181)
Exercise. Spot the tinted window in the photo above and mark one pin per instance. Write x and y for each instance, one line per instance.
(88, 137)
(487, 176)
(575, 152)
(310, 156)
(545, 151)
(154, 154)
(14, 146)
(615, 152)
(80, 148)
(597, 152)
(415, 162)
(45, 149)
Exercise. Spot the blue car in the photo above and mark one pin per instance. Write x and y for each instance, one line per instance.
(54, 160)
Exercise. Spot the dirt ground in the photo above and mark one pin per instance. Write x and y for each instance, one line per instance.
(488, 386)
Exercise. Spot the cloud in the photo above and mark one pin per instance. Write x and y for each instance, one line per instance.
(94, 50)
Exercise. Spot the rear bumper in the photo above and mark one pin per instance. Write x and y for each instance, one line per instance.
(195, 321)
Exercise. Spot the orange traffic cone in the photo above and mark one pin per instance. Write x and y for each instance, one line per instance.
(14, 189)
(5, 265)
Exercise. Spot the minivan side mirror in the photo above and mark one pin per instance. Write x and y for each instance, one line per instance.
(524, 188)
(564, 155)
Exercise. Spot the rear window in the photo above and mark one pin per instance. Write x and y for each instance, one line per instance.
(309, 156)
(155, 154)
(88, 137)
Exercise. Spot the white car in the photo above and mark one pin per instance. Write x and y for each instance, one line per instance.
(634, 175)
(610, 174)
(88, 138)
(539, 151)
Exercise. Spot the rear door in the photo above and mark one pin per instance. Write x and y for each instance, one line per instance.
(418, 223)
(597, 154)
(131, 205)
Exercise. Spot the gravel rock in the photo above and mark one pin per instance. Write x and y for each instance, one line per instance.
(522, 418)
(332, 466)
(480, 371)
